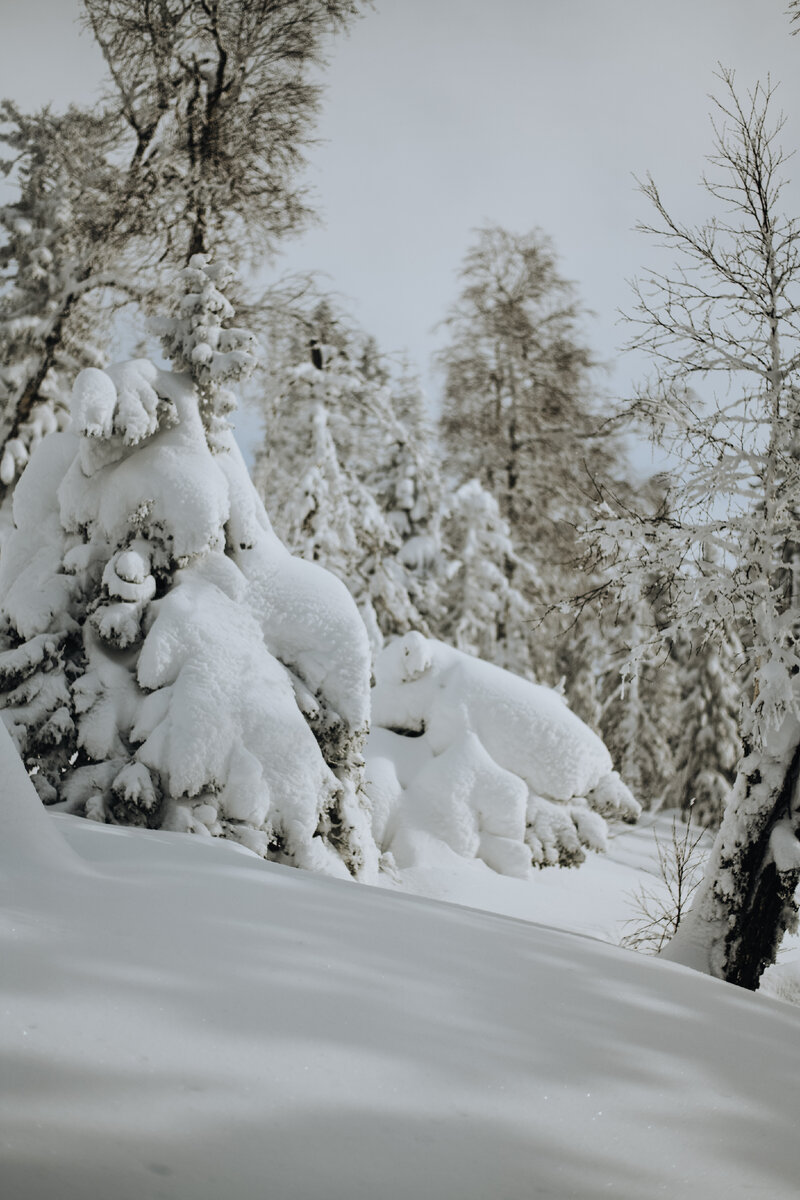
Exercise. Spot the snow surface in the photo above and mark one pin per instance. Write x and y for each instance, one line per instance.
(186, 1021)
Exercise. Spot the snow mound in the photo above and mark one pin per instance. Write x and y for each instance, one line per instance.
(496, 768)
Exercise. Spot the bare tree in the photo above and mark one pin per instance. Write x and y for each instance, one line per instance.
(198, 146)
(659, 912)
(723, 328)
(220, 101)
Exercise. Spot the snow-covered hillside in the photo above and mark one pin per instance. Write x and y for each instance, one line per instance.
(186, 1021)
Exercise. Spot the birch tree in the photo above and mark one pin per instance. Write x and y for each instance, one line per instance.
(723, 329)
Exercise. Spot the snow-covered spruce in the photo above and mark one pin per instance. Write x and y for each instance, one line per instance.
(202, 340)
(497, 768)
(165, 661)
(485, 614)
(322, 472)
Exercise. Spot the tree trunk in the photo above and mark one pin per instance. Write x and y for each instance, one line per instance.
(746, 901)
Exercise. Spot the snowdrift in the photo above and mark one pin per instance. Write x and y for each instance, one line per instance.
(467, 755)
(183, 1020)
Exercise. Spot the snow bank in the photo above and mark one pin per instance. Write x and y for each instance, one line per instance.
(188, 1022)
(467, 754)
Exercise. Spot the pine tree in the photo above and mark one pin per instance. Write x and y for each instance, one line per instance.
(164, 661)
(339, 471)
(485, 614)
(708, 742)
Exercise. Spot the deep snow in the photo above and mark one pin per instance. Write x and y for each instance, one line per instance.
(184, 1020)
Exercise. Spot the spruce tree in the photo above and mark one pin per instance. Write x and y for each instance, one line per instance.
(638, 705)
(164, 661)
(708, 740)
(342, 475)
(485, 614)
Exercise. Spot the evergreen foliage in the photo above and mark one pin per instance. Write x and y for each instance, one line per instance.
(485, 614)
(164, 661)
(708, 742)
(352, 484)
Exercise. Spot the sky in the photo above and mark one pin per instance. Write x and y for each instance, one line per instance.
(442, 115)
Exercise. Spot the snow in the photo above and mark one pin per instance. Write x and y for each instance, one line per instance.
(163, 659)
(467, 756)
(421, 680)
(184, 1020)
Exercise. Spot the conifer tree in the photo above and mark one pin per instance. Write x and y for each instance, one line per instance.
(638, 701)
(407, 485)
(518, 414)
(485, 614)
(708, 740)
(340, 472)
(164, 661)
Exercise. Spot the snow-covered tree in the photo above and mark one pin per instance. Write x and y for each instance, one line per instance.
(219, 102)
(200, 139)
(165, 661)
(51, 272)
(201, 340)
(708, 740)
(724, 332)
(348, 486)
(638, 703)
(406, 480)
(485, 614)
(518, 414)
(494, 766)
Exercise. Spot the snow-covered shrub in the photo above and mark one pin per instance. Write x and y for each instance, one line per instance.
(165, 661)
(465, 753)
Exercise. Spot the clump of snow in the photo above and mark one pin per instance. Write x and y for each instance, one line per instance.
(494, 767)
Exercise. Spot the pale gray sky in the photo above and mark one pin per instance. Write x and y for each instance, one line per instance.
(442, 114)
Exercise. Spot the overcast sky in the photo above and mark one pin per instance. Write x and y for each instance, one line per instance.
(443, 114)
